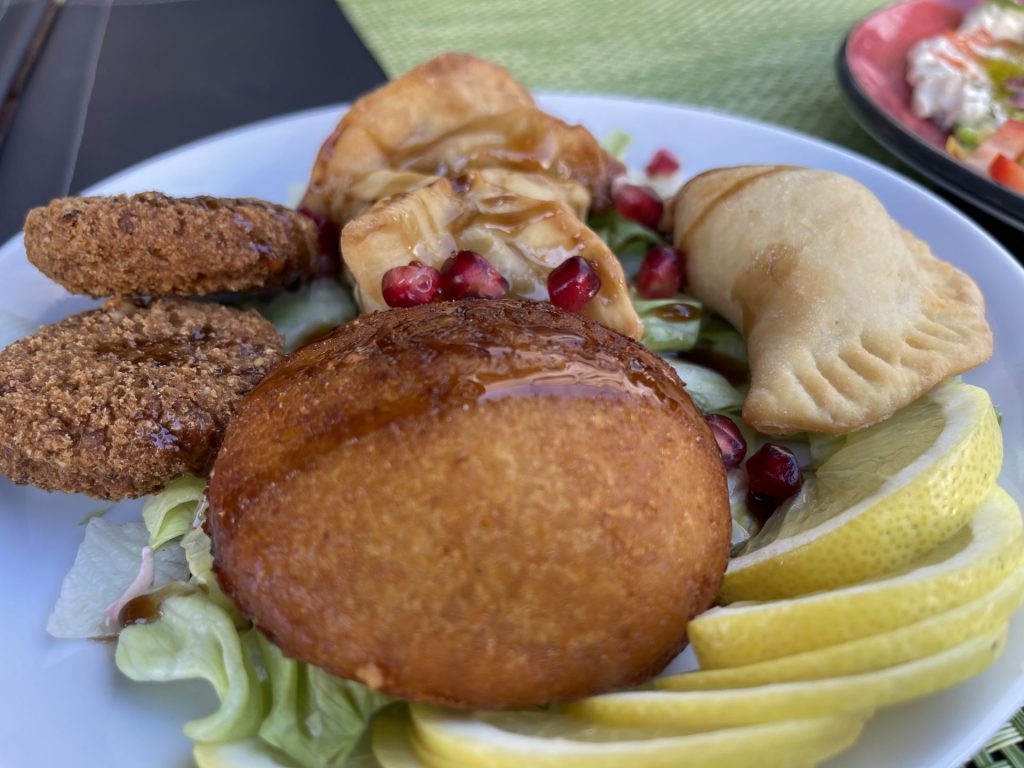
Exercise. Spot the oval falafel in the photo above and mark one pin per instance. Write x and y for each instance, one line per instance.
(154, 244)
(478, 503)
(118, 401)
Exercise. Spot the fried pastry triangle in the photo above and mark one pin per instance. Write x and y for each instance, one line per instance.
(847, 316)
(524, 237)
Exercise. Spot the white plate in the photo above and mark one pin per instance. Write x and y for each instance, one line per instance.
(64, 703)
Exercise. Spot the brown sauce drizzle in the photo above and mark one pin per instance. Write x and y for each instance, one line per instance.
(725, 195)
(147, 608)
(676, 313)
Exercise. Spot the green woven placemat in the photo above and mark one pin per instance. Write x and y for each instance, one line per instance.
(746, 57)
(767, 60)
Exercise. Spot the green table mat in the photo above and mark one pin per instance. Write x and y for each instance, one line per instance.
(772, 61)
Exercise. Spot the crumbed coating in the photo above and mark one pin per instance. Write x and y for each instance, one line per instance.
(481, 504)
(150, 243)
(117, 401)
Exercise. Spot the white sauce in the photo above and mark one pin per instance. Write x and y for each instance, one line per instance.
(1002, 23)
(950, 86)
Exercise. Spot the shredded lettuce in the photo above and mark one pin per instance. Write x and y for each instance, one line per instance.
(670, 325)
(723, 341)
(315, 718)
(709, 390)
(315, 308)
(193, 638)
(627, 239)
(169, 514)
(616, 142)
(308, 717)
(106, 564)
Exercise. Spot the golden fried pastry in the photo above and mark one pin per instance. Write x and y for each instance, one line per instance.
(847, 317)
(118, 401)
(452, 114)
(476, 503)
(153, 244)
(523, 237)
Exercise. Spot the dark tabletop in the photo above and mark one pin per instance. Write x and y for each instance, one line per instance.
(96, 85)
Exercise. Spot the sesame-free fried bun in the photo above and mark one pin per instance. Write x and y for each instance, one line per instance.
(476, 503)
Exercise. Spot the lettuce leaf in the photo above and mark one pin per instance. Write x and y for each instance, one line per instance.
(627, 239)
(194, 638)
(315, 308)
(106, 564)
(670, 325)
(709, 390)
(169, 514)
(315, 718)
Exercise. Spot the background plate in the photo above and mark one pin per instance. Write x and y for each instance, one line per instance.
(872, 65)
(65, 703)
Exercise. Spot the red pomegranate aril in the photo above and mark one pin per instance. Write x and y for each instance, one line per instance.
(468, 275)
(729, 438)
(773, 475)
(573, 283)
(663, 163)
(662, 273)
(640, 204)
(411, 285)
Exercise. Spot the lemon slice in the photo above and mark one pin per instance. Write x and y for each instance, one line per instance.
(970, 564)
(504, 740)
(855, 694)
(246, 753)
(890, 494)
(913, 641)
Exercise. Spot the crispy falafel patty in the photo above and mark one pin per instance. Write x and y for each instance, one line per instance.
(477, 503)
(117, 401)
(150, 243)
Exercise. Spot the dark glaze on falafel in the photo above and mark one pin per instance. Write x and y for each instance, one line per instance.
(118, 401)
(478, 503)
(154, 244)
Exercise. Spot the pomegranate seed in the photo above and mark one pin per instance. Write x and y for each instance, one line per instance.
(468, 275)
(411, 285)
(328, 242)
(662, 273)
(729, 438)
(663, 163)
(573, 283)
(773, 475)
(640, 204)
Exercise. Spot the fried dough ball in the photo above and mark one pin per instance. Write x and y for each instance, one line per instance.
(524, 238)
(150, 243)
(452, 114)
(478, 504)
(118, 401)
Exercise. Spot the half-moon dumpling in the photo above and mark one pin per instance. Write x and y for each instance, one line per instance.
(847, 316)
(452, 114)
(524, 238)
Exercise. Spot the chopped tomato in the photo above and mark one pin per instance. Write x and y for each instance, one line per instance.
(1008, 141)
(1006, 171)
(664, 163)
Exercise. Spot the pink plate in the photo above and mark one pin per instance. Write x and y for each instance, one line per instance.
(872, 69)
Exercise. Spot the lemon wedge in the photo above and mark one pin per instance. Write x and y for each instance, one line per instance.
(888, 495)
(246, 753)
(971, 564)
(509, 740)
(852, 695)
(913, 641)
